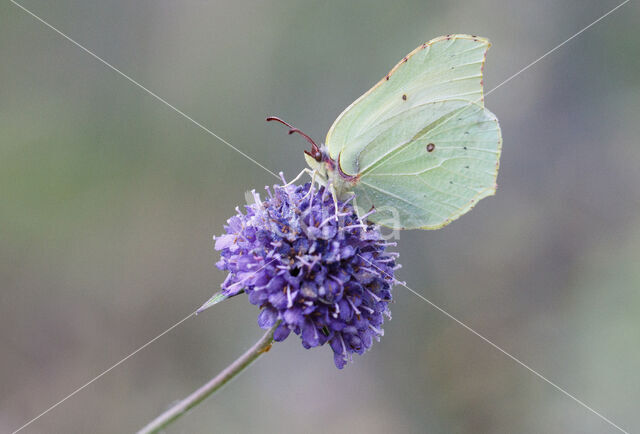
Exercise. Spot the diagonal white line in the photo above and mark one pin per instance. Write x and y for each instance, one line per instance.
(506, 353)
(156, 96)
(105, 372)
(508, 79)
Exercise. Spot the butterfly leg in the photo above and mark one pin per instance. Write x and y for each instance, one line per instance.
(355, 207)
(313, 180)
(334, 193)
(305, 170)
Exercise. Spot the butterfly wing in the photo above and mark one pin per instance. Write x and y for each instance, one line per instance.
(434, 95)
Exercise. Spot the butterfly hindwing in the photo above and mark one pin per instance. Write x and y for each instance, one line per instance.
(443, 158)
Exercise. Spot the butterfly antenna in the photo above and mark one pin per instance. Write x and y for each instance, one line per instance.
(315, 150)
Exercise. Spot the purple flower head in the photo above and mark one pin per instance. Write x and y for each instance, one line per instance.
(327, 281)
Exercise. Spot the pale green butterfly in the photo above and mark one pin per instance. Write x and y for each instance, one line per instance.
(419, 146)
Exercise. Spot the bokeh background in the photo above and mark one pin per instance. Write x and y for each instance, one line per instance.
(109, 199)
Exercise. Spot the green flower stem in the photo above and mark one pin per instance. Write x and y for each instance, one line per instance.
(177, 410)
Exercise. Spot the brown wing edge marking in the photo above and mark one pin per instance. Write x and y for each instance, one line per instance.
(404, 60)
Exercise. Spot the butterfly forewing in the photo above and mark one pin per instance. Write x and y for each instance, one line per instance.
(449, 67)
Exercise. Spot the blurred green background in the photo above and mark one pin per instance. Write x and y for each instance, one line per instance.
(109, 199)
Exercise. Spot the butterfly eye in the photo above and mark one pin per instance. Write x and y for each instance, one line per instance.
(316, 155)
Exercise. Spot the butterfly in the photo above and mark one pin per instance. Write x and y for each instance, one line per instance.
(419, 147)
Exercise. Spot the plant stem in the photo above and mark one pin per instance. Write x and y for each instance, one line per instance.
(180, 408)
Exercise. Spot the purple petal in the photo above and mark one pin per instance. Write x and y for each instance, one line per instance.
(281, 333)
(339, 360)
(267, 318)
(293, 317)
(310, 333)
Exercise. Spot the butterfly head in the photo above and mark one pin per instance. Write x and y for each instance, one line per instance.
(319, 160)
(315, 153)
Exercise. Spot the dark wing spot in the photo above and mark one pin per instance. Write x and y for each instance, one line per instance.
(405, 59)
(466, 132)
(431, 147)
(464, 147)
(404, 96)
(450, 182)
(466, 167)
(387, 78)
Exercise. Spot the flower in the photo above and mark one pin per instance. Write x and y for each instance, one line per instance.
(327, 281)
